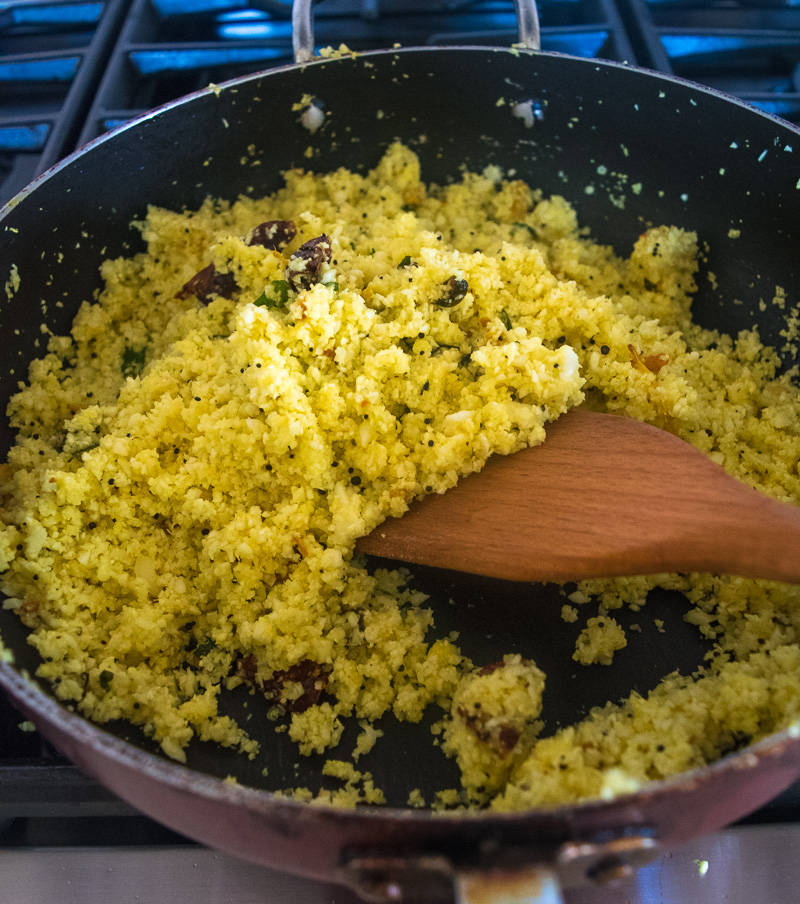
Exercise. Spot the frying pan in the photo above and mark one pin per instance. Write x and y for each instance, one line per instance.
(629, 149)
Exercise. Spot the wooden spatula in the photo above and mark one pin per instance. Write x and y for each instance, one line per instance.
(603, 496)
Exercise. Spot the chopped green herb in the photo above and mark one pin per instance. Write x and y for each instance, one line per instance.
(276, 295)
(405, 262)
(133, 360)
(525, 226)
(105, 678)
(78, 448)
(505, 318)
(204, 648)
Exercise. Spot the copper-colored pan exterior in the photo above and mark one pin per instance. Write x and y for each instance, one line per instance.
(700, 160)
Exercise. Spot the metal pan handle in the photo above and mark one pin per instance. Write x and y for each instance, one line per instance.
(303, 27)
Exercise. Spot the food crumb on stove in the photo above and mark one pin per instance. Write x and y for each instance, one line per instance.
(180, 510)
(569, 614)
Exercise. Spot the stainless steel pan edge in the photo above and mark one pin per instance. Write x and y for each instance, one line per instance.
(76, 212)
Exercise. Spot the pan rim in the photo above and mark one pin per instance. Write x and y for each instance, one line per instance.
(28, 693)
(519, 52)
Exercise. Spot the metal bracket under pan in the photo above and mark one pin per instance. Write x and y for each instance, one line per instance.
(434, 877)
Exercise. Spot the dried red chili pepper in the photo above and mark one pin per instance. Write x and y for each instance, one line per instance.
(305, 265)
(272, 234)
(207, 283)
(501, 737)
(491, 667)
(455, 291)
(312, 677)
(647, 364)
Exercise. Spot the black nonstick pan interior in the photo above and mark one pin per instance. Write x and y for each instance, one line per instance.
(492, 618)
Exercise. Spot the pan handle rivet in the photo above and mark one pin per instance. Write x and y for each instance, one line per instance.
(611, 870)
(382, 890)
(609, 860)
(393, 892)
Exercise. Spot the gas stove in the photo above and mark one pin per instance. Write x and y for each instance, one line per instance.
(71, 71)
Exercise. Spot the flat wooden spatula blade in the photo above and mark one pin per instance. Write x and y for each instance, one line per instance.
(603, 496)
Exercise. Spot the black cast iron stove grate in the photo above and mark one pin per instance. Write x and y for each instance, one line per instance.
(749, 48)
(52, 56)
(70, 71)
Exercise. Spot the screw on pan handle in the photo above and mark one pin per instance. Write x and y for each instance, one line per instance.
(303, 27)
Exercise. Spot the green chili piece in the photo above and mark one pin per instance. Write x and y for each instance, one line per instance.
(278, 296)
(133, 360)
(205, 647)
